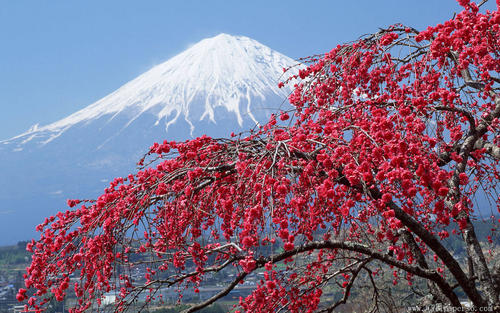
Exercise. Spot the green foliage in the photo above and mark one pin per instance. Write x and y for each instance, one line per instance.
(14, 255)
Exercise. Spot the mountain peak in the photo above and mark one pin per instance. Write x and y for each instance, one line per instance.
(224, 41)
(224, 37)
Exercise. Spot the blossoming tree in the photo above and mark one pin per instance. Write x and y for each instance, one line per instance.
(391, 140)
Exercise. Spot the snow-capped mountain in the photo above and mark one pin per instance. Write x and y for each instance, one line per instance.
(224, 71)
(219, 85)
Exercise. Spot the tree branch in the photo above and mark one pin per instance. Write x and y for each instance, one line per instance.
(473, 246)
(417, 253)
(363, 249)
(492, 149)
(429, 239)
(347, 290)
(466, 113)
(216, 297)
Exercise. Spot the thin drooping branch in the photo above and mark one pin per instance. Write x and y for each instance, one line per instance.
(420, 258)
(211, 269)
(348, 288)
(219, 295)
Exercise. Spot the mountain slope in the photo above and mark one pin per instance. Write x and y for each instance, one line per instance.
(219, 85)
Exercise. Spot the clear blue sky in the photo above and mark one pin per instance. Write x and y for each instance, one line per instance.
(59, 56)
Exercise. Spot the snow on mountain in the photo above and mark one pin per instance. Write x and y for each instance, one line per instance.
(224, 71)
(219, 85)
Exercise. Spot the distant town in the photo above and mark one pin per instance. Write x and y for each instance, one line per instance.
(14, 260)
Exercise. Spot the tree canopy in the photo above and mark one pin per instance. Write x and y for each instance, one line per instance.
(391, 147)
